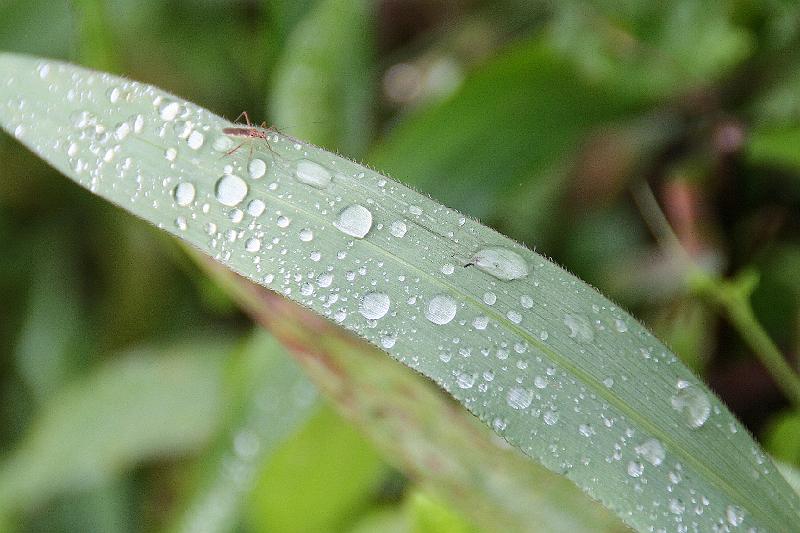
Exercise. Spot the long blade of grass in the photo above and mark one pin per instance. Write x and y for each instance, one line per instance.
(555, 368)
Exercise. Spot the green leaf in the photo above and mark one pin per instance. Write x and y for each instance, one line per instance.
(146, 404)
(558, 370)
(322, 88)
(271, 399)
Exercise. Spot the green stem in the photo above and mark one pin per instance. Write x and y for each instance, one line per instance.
(733, 298)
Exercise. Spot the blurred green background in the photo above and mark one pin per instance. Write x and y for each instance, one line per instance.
(127, 377)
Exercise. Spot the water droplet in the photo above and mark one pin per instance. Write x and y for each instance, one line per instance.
(231, 190)
(325, 279)
(480, 322)
(586, 430)
(170, 154)
(195, 140)
(256, 207)
(693, 402)
(256, 168)
(635, 469)
(169, 110)
(540, 382)
(501, 263)
(519, 398)
(252, 244)
(222, 144)
(526, 301)
(550, 417)
(676, 506)
(355, 220)
(181, 223)
(398, 228)
(184, 193)
(306, 235)
(374, 305)
(283, 221)
(489, 298)
(312, 174)
(122, 130)
(447, 269)
(441, 309)
(579, 327)
(388, 341)
(734, 515)
(514, 316)
(608, 382)
(465, 381)
(620, 325)
(651, 451)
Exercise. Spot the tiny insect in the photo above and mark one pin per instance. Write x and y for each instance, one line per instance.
(249, 132)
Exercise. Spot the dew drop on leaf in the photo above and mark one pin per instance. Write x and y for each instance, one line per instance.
(312, 174)
(256, 168)
(195, 140)
(374, 305)
(398, 229)
(184, 193)
(519, 398)
(230, 190)
(693, 402)
(501, 263)
(355, 220)
(579, 327)
(651, 451)
(734, 515)
(441, 309)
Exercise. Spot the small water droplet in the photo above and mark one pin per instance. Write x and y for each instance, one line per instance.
(447, 269)
(540, 382)
(480, 322)
(283, 221)
(195, 140)
(635, 469)
(734, 515)
(526, 301)
(325, 279)
(550, 417)
(256, 168)
(388, 341)
(579, 327)
(441, 309)
(489, 298)
(693, 402)
(312, 174)
(256, 207)
(398, 228)
(519, 398)
(374, 305)
(252, 244)
(465, 381)
(620, 325)
(222, 144)
(355, 220)
(231, 190)
(501, 263)
(676, 506)
(306, 235)
(608, 382)
(170, 154)
(169, 110)
(122, 130)
(514, 316)
(651, 451)
(184, 193)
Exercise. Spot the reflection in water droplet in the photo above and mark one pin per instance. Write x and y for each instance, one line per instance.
(651, 451)
(579, 327)
(519, 398)
(374, 305)
(398, 228)
(184, 193)
(441, 309)
(231, 190)
(256, 168)
(693, 402)
(312, 174)
(355, 220)
(501, 263)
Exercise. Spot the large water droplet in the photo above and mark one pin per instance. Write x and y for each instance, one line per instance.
(374, 305)
(355, 220)
(231, 190)
(256, 207)
(519, 398)
(312, 174)
(184, 193)
(579, 327)
(441, 309)
(195, 140)
(651, 451)
(501, 263)
(306, 235)
(693, 402)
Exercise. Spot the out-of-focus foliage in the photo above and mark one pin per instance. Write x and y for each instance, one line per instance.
(117, 390)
